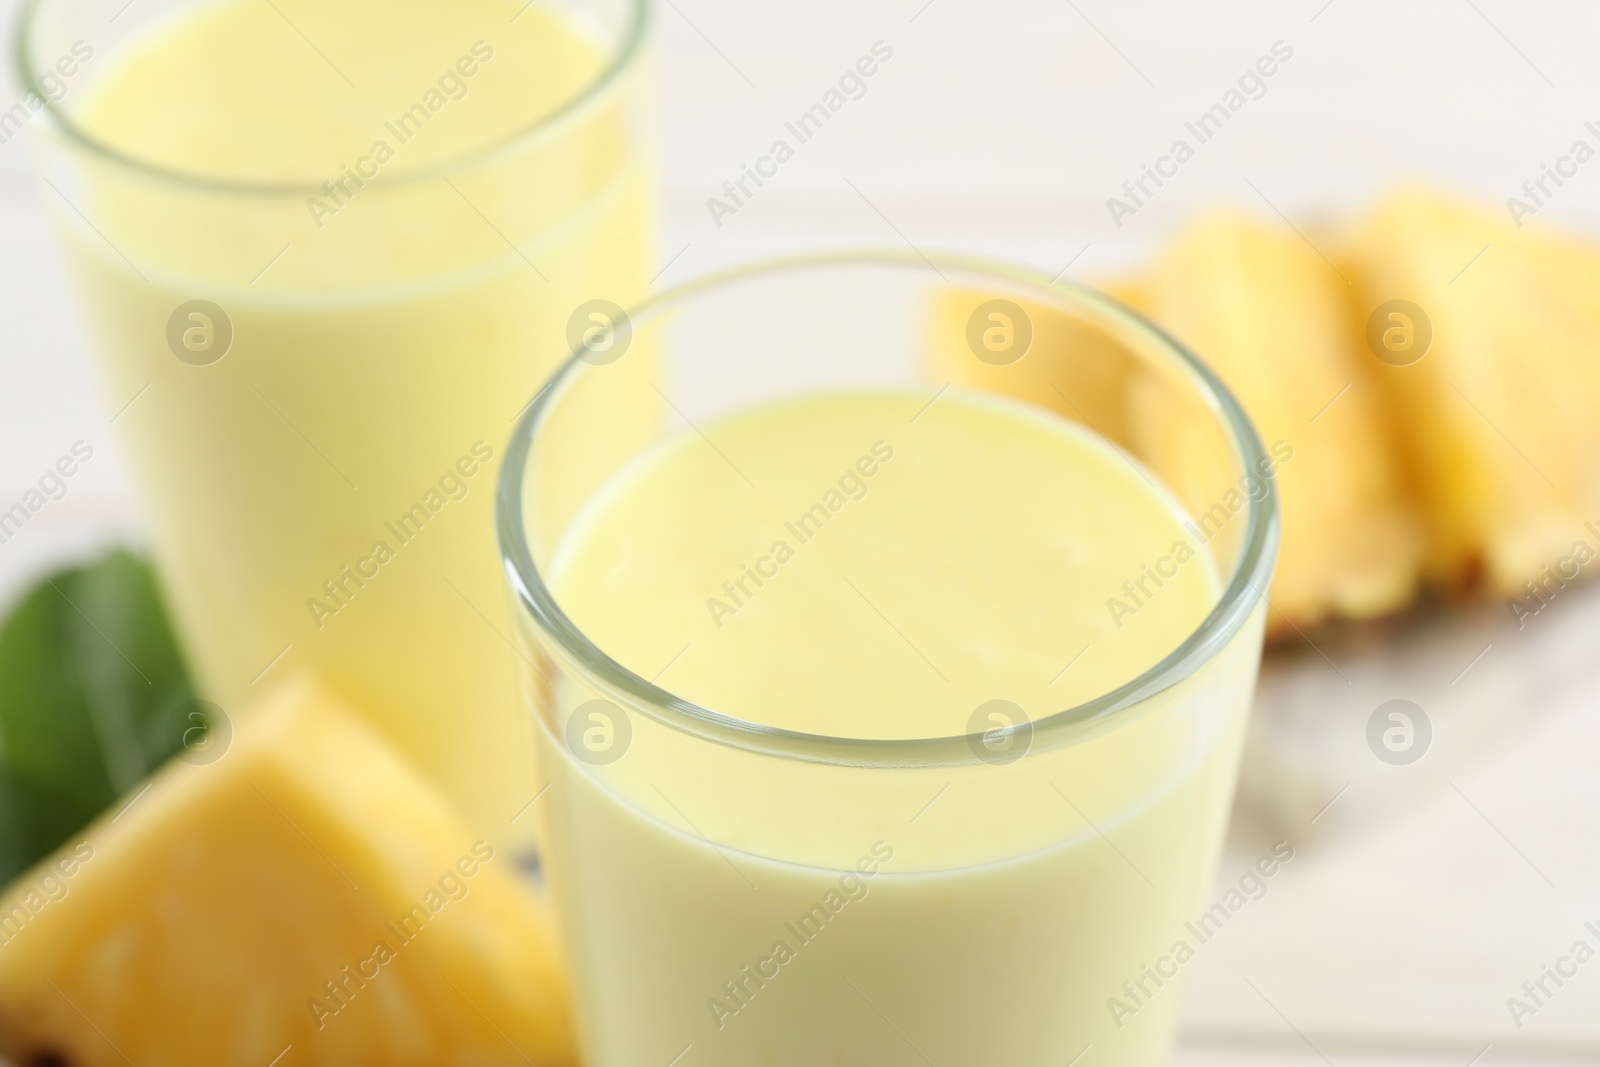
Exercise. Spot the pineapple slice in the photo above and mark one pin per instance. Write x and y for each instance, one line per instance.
(1499, 415)
(1262, 308)
(1066, 364)
(305, 899)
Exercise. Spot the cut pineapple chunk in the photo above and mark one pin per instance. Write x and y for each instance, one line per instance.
(307, 895)
(1270, 316)
(1066, 364)
(1499, 416)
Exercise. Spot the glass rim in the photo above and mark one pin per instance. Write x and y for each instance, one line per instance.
(622, 58)
(1243, 589)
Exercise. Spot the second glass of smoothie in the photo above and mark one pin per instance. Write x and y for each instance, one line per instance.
(327, 251)
(886, 720)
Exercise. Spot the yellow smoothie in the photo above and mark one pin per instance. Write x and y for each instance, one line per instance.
(396, 207)
(865, 566)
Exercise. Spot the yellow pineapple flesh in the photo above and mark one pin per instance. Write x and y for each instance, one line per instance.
(1263, 309)
(1499, 416)
(1069, 365)
(307, 898)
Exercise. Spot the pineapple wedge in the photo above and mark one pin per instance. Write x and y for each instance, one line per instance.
(1270, 316)
(1499, 416)
(305, 899)
(1070, 366)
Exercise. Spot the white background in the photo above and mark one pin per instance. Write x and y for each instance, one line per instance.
(1001, 129)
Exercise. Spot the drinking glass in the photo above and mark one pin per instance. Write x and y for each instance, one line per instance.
(314, 381)
(1011, 896)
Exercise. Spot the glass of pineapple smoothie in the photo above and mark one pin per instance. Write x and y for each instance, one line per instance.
(887, 715)
(326, 250)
